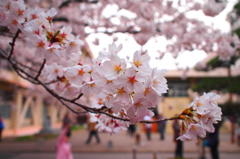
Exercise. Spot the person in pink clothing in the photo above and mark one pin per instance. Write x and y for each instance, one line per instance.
(1, 127)
(64, 148)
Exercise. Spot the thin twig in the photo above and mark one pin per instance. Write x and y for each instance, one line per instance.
(12, 44)
(17, 69)
(76, 112)
(40, 70)
(22, 65)
(159, 120)
(78, 97)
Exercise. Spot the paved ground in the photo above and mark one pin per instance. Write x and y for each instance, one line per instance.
(107, 155)
(118, 145)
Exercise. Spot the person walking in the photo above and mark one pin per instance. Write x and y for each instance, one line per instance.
(92, 131)
(64, 148)
(179, 143)
(132, 129)
(161, 127)
(1, 127)
(213, 142)
(66, 120)
(148, 127)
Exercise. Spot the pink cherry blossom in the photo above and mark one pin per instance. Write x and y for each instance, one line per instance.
(193, 131)
(90, 87)
(158, 81)
(141, 62)
(114, 67)
(138, 110)
(52, 71)
(132, 80)
(78, 74)
(123, 89)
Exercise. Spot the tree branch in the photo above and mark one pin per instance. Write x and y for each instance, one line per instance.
(12, 44)
(40, 70)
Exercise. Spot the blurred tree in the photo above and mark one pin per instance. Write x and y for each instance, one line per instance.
(228, 84)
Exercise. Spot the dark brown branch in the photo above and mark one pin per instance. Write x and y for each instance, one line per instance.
(78, 97)
(22, 65)
(17, 69)
(51, 82)
(40, 70)
(76, 112)
(67, 2)
(35, 80)
(12, 44)
(3, 54)
(159, 120)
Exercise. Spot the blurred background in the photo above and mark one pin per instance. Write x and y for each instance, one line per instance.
(170, 31)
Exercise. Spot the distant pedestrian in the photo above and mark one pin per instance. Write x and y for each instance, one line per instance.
(179, 143)
(1, 127)
(201, 148)
(132, 129)
(148, 127)
(66, 120)
(92, 131)
(213, 142)
(161, 127)
(64, 148)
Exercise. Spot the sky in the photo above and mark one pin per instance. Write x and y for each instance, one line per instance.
(184, 59)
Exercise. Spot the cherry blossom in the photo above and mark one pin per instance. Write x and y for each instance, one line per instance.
(114, 67)
(124, 91)
(78, 74)
(193, 131)
(200, 116)
(141, 62)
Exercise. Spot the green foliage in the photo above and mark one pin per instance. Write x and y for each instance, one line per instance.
(35, 137)
(230, 109)
(222, 84)
(77, 127)
(237, 32)
(25, 138)
(216, 63)
(236, 8)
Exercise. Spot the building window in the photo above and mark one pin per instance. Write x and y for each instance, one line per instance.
(177, 89)
(5, 110)
(6, 98)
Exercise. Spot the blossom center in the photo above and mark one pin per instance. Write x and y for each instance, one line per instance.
(132, 79)
(155, 81)
(137, 63)
(56, 70)
(92, 85)
(41, 44)
(198, 104)
(117, 68)
(81, 72)
(120, 91)
(72, 44)
(194, 128)
(147, 91)
(100, 101)
(20, 12)
(138, 105)
(15, 22)
(34, 16)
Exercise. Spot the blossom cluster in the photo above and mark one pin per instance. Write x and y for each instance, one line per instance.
(228, 46)
(200, 116)
(125, 87)
(36, 26)
(124, 90)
